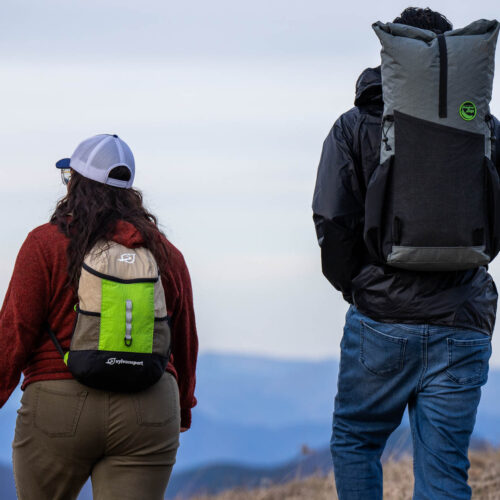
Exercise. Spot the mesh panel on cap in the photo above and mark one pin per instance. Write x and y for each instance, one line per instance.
(128, 156)
(84, 150)
(107, 155)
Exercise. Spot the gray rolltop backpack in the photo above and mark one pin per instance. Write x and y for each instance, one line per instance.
(433, 204)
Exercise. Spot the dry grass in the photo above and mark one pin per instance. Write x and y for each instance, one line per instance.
(484, 477)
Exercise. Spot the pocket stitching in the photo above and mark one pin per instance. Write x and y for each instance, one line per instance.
(396, 340)
(150, 424)
(474, 342)
(78, 410)
(402, 350)
(139, 413)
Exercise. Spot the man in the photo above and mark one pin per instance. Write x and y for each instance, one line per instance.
(412, 338)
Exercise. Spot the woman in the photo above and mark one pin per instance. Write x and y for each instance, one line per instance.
(67, 431)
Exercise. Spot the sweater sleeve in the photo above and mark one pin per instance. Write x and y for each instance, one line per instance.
(185, 344)
(23, 313)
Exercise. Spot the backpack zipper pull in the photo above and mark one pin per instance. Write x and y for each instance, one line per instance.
(385, 131)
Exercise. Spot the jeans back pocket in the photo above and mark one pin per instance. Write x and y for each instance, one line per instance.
(380, 353)
(468, 360)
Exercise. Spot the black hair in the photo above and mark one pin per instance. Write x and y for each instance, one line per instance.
(426, 19)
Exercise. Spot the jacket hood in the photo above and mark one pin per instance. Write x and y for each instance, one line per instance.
(369, 87)
(127, 235)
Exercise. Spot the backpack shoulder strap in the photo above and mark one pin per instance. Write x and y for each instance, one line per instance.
(54, 340)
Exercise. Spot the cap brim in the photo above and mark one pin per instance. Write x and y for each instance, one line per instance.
(64, 163)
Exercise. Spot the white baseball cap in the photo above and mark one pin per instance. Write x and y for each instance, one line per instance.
(95, 157)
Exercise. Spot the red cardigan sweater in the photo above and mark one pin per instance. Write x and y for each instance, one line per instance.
(38, 293)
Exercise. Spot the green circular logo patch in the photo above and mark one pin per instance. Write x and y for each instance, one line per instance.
(468, 111)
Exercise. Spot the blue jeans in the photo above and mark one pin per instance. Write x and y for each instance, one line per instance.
(438, 372)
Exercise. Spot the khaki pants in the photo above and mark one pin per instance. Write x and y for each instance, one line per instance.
(67, 432)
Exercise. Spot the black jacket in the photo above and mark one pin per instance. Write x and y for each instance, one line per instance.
(350, 154)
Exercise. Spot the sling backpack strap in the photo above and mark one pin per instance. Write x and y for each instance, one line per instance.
(55, 341)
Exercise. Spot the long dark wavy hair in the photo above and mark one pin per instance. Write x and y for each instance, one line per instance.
(89, 213)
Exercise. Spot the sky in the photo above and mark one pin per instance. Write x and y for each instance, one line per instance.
(225, 105)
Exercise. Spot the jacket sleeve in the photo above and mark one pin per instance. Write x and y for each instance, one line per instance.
(184, 342)
(338, 208)
(23, 313)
